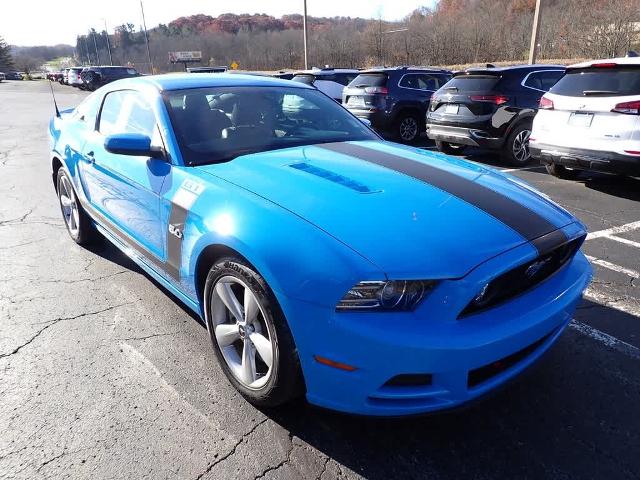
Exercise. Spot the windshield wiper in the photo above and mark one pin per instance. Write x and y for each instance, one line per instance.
(588, 93)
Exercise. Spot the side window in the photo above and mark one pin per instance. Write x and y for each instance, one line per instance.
(543, 80)
(430, 82)
(549, 79)
(126, 111)
(88, 110)
(111, 112)
(410, 81)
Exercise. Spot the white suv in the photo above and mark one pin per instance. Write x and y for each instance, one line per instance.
(330, 81)
(590, 120)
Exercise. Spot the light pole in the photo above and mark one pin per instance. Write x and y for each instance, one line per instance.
(146, 37)
(306, 39)
(535, 32)
(108, 42)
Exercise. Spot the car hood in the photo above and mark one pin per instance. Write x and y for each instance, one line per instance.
(411, 212)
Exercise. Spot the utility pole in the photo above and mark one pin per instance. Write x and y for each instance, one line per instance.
(535, 32)
(108, 42)
(95, 45)
(146, 37)
(306, 38)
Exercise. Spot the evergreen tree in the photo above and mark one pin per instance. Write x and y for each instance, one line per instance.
(6, 60)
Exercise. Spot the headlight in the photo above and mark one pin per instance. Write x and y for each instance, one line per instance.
(399, 295)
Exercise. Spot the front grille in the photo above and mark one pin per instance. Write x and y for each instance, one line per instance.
(522, 278)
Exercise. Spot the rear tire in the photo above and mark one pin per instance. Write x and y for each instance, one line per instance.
(407, 127)
(78, 223)
(561, 171)
(516, 148)
(450, 148)
(271, 374)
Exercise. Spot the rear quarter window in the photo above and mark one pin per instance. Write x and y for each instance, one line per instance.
(620, 81)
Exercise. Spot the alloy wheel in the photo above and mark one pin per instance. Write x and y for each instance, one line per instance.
(520, 146)
(69, 205)
(241, 332)
(408, 129)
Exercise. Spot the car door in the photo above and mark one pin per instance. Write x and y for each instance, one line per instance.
(125, 189)
(416, 90)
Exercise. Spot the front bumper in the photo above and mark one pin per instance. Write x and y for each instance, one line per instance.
(463, 136)
(601, 161)
(457, 356)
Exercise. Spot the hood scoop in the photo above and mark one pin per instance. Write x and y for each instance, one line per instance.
(334, 177)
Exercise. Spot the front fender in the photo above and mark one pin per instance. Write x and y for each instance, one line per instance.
(296, 258)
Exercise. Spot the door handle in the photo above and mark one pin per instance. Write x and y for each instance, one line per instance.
(89, 157)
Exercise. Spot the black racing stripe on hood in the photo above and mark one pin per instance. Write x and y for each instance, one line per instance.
(513, 214)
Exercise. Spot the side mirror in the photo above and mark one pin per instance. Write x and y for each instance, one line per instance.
(134, 144)
(366, 121)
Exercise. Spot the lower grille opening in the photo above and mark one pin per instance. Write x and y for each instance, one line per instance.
(487, 372)
(410, 380)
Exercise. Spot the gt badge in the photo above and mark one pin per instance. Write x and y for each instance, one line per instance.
(175, 231)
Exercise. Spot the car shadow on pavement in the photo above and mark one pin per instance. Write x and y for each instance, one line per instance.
(616, 185)
(569, 416)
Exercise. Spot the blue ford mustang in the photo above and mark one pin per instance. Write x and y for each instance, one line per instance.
(371, 277)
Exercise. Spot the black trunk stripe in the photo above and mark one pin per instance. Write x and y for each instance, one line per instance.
(513, 214)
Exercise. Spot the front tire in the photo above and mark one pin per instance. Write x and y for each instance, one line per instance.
(561, 171)
(79, 225)
(250, 335)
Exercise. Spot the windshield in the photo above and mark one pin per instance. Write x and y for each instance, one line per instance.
(217, 124)
(620, 81)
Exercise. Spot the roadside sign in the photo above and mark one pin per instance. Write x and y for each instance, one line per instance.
(185, 57)
(234, 66)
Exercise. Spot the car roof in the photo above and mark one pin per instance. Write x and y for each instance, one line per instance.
(413, 69)
(179, 81)
(618, 61)
(326, 71)
(512, 68)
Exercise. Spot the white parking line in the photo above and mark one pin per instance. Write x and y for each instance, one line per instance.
(614, 230)
(624, 240)
(620, 304)
(606, 339)
(613, 266)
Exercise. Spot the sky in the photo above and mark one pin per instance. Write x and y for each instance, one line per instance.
(49, 22)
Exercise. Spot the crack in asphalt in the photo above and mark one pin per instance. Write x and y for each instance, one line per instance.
(13, 221)
(80, 280)
(280, 464)
(55, 321)
(150, 336)
(233, 449)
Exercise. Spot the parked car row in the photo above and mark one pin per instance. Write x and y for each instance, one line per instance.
(11, 75)
(91, 78)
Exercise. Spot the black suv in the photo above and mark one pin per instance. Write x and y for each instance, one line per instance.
(490, 108)
(95, 77)
(395, 100)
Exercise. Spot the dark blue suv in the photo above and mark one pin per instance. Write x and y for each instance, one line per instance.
(490, 108)
(395, 100)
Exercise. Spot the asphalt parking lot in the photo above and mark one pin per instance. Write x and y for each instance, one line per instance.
(105, 375)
